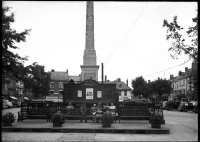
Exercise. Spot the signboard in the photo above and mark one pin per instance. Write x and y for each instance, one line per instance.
(54, 99)
(79, 93)
(89, 93)
(99, 95)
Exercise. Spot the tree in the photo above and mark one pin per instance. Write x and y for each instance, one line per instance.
(118, 80)
(11, 61)
(36, 80)
(179, 44)
(161, 86)
(139, 86)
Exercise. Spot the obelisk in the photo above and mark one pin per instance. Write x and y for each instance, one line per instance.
(89, 68)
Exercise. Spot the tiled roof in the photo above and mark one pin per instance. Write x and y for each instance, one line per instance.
(120, 86)
(59, 76)
(75, 78)
(186, 74)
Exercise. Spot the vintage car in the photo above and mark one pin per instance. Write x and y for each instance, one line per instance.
(7, 103)
(185, 106)
(171, 105)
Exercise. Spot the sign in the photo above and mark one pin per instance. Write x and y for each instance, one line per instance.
(99, 95)
(54, 99)
(79, 93)
(89, 93)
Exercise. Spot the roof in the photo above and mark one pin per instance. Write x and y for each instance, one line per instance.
(120, 85)
(185, 75)
(59, 76)
(74, 78)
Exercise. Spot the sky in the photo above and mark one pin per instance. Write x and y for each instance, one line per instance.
(129, 38)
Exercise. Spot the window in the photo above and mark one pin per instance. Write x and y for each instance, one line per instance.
(60, 84)
(51, 84)
(60, 93)
(183, 82)
(51, 92)
(125, 93)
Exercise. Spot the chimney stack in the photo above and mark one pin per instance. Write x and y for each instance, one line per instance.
(127, 82)
(179, 73)
(186, 69)
(194, 66)
(52, 70)
(171, 76)
(67, 71)
(105, 78)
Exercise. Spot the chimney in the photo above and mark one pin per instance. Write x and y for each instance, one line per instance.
(194, 66)
(105, 78)
(67, 71)
(186, 69)
(179, 73)
(149, 81)
(52, 70)
(171, 76)
(127, 82)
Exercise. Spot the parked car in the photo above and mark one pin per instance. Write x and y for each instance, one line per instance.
(171, 105)
(185, 106)
(16, 102)
(4, 104)
(195, 109)
(7, 103)
(194, 103)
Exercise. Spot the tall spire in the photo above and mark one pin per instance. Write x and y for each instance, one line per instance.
(89, 57)
(89, 68)
(89, 26)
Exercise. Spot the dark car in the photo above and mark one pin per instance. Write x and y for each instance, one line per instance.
(185, 106)
(16, 102)
(195, 109)
(171, 105)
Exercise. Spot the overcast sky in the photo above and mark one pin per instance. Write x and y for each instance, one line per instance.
(129, 37)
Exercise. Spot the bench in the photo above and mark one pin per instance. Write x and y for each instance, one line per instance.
(89, 114)
(31, 113)
(75, 113)
(135, 112)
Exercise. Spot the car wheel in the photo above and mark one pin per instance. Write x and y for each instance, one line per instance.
(185, 110)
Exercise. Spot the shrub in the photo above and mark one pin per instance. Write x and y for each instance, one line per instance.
(8, 118)
(58, 118)
(156, 118)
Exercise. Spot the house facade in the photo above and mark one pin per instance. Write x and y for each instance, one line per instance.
(181, 83)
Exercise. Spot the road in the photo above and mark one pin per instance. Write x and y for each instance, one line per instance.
(187, 120)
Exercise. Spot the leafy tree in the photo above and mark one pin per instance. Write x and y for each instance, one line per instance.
(161, 86)
(36, 80)
(139, 86)
(118, 80)
(179, 43)
(10, 61)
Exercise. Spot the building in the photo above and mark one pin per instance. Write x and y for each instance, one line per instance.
(124, 91)
(89, 69)
(181, 83)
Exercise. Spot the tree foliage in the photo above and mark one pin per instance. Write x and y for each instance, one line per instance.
(179, 43)
(11, 61)
(139, 86)
(36, 80)
(161, 86)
